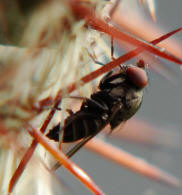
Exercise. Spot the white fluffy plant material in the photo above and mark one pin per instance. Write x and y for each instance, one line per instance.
(53, 54)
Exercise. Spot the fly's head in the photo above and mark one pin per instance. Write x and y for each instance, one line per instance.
(137, 74)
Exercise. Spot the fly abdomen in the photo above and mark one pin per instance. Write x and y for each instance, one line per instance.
(54, 133)
(81, 125)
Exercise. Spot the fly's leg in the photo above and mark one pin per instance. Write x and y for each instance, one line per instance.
(95, 61)
(112, 48)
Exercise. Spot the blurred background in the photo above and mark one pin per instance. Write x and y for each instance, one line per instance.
(161, 107)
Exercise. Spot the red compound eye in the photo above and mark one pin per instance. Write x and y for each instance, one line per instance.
(138, 76)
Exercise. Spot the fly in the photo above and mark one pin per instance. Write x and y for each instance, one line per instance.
(117, 100)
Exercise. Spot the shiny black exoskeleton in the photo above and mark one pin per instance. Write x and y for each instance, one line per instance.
(118, 99)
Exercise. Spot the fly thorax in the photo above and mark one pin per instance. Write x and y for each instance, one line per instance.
(133, 100)
(118, 92)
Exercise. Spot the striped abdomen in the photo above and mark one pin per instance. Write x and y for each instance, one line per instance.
(81, 125)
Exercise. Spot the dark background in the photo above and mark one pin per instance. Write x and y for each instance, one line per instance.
(162, 107)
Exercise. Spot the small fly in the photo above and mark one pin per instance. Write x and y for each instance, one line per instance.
(117, 100)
